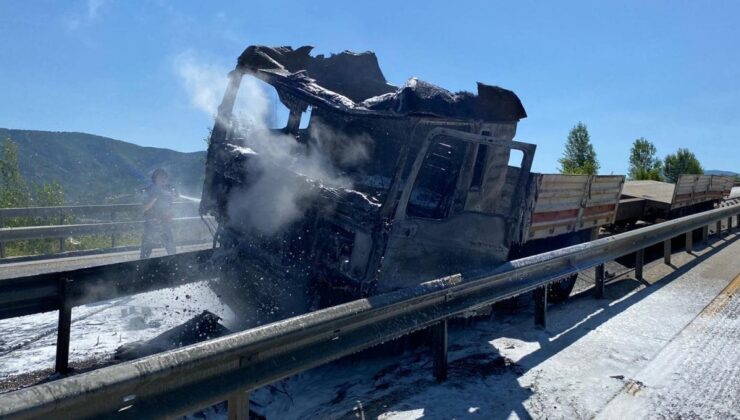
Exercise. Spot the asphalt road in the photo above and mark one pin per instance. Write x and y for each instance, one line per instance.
(665, 347)
(697, 375)
(29, 268)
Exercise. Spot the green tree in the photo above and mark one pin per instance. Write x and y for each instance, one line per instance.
(579, 157)
(683, 162)
(15, 192)
(13, 188)
(643, 162)
(49, 195)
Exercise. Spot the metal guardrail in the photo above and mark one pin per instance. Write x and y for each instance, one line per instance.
(57, 231)
(61, 230)
(64, 290)
(39, 293)
(57, 211)
(227, 368)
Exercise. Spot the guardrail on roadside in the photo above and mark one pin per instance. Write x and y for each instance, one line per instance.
(65, 211)
(107, 227)
(64, 290)
(228, 368)
(103, 228)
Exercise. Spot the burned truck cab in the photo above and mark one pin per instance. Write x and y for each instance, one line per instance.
(460, 207)
(385, 187)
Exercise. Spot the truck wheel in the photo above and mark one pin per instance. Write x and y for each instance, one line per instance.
(560, 290)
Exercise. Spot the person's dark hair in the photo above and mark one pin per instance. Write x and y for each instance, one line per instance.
(159, 172)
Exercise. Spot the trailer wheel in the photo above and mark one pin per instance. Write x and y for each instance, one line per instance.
(560, 290)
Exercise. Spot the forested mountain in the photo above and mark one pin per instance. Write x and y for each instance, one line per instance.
(94, 169)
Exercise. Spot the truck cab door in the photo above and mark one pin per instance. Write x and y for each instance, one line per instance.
(436, 231)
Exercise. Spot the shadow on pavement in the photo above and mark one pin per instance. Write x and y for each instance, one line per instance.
(482, 368)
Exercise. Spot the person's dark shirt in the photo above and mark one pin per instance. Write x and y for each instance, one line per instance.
(162, 208)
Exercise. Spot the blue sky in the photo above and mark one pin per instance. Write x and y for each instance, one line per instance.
(665, 70)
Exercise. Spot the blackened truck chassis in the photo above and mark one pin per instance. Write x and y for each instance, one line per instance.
(443, 189)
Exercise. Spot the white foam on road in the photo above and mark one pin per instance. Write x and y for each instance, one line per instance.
(697, 375)
(591, 351)
(29, 343)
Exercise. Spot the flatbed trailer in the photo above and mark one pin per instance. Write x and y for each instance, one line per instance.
(653, 201)
(569, 203)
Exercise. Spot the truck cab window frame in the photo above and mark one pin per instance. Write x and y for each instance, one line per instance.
(434, 188)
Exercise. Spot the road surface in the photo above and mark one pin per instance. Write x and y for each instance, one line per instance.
(29, 268)
(664, 348)
(697, 375)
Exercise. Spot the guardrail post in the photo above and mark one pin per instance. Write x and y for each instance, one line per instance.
(690, 241)
(238, 406)
(705, 235)
(599, 284)
(729, 225)
(64, 328)
(2, 245)
(667, 252)
(61, 240)
(439, 350)
(113, 234)
(540, 307)
(639, 263)
(719, 228)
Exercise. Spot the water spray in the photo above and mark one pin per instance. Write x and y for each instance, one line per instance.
(192, 199)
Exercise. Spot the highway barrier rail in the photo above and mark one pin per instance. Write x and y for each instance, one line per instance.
(228, 368)
(76, 221)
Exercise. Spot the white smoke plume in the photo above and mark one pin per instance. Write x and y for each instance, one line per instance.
(341, 148)
(274, 198)
(204, 83)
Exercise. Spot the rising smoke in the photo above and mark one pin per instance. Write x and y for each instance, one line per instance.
(274, 198)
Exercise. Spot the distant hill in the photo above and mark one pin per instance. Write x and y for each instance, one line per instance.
(94, 169)
(724, 173)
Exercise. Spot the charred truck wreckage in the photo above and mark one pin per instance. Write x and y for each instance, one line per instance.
(421, 183)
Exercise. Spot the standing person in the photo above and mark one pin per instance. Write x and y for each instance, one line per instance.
(158, 198)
